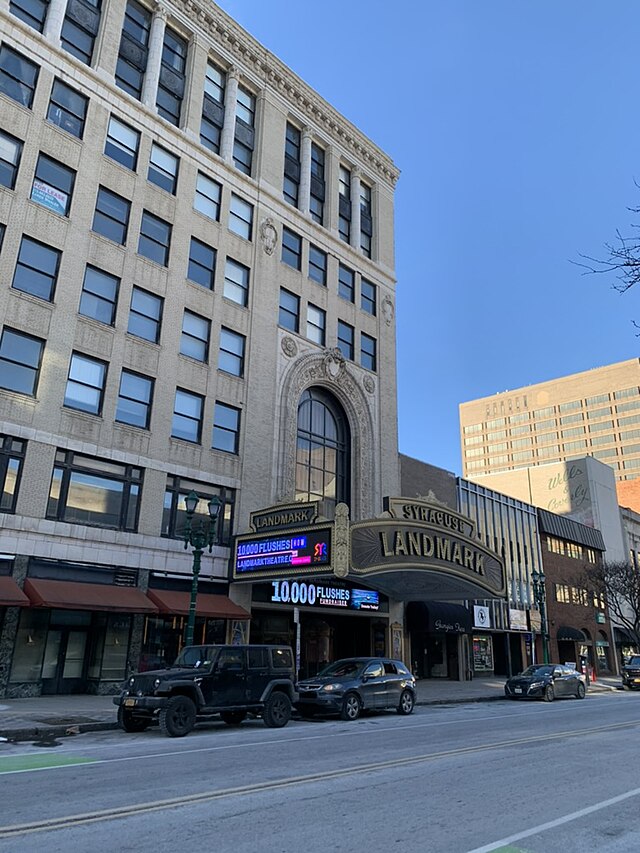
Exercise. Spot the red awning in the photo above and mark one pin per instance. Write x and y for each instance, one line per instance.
(214, 606)
(10, 593)
(71, 595)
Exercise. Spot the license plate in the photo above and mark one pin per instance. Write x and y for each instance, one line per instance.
(518, 690)
(129, 702)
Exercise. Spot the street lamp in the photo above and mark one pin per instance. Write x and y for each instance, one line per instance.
(198, 537)
(539, 596)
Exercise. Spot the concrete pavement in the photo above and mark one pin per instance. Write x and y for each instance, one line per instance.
(45, 718)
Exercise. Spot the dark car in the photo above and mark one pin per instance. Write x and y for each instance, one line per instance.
(352, 685)
(232, 681)
(631, 673)
(547, 681)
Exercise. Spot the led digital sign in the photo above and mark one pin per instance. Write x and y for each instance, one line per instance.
(308, 549)
(327, 595)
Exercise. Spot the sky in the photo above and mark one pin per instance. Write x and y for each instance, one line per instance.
(516, 128)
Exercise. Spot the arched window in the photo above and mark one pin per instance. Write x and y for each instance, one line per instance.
(323, 451)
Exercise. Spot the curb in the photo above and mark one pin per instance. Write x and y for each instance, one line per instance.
(38, 733)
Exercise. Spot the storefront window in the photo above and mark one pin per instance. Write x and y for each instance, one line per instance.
(482, 654)
(164, 637)
(30, 643)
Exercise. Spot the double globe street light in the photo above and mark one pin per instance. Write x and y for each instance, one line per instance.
(199, 536)
(540, 596)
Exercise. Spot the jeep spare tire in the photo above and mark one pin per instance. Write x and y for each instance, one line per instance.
(178, 716)
(277, 710)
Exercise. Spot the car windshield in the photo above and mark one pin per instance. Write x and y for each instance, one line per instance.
(538, 669)
(343, 667)
(195, 656)
(634, 660)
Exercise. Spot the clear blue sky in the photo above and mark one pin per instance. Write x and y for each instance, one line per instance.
(516, 126)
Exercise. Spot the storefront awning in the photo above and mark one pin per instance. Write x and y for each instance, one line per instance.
(439, 617)
(566, 632)
(11, 595)
(213, 606)
(69, 595)
(623, 636)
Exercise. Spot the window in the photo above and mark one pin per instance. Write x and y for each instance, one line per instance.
(111, 217)
(134, 399)
(155, 238)
(145, 315)
(291, 180)
(346, 283)
(236, 282)
(626, 392)
(20, 360)
(367, 351)
(96, 492)
(291, 249)
(67, 108)
(53, 185)
(18, 76)
(172, 77)
(85, 384)
(317, 264)
(345, 339)
(194, 341)
(11, 461)
(289, 314)
(243, 142)
(368, 297)
(316, 199)
(366, 222)
(10, 153)
(32, 12)
(231, 353)
(163, 169)
(213, 108)
(316, 324)
(202, 263)
(174, 516)
(187, 416)
(99, 295)
(80, 29)
(322, 451)
(36, 269)
(344, 204)
(132, 58)
(207, 198)
(226, 428)
(122, 143)
(240, 217)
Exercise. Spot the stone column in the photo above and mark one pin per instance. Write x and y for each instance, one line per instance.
(196, 73)
(154, 57)
(355, 208)
(55, 19)
(332, 167)
(305, 171)
(229, 128)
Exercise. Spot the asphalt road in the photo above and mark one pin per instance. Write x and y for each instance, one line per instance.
(515, 776)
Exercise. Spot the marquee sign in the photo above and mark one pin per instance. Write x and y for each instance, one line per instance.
(283, 554)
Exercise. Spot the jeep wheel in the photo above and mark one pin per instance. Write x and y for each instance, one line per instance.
(178, 716)
(350, 707)
(406, 703)
(233, 718)
(129, 723)
(277, 710)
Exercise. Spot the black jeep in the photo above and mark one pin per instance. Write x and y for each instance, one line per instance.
(231, 681)
(631, 673)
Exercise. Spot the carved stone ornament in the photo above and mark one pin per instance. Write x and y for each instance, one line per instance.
(341, 541)
(388, 310)
(269, 236)
(369, 384)
(334, 363)
(289, 347)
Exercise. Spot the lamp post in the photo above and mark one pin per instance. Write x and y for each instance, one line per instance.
(199, 537)
(539, 596)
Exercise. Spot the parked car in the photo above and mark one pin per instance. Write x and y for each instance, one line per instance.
(547, 681)
(631, 673)
(232, 681)
(350, 686)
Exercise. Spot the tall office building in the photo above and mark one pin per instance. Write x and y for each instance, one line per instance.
(197, 293)
(594, 413)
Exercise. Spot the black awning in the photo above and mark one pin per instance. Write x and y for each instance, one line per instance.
(566, 632)
(623, 636)
(438, 617)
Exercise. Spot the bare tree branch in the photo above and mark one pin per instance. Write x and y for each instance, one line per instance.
(619, 585)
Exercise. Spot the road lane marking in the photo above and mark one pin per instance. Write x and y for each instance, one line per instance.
(70, 821)
(561, 821)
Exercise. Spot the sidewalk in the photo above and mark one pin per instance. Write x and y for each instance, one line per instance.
(45, 718)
